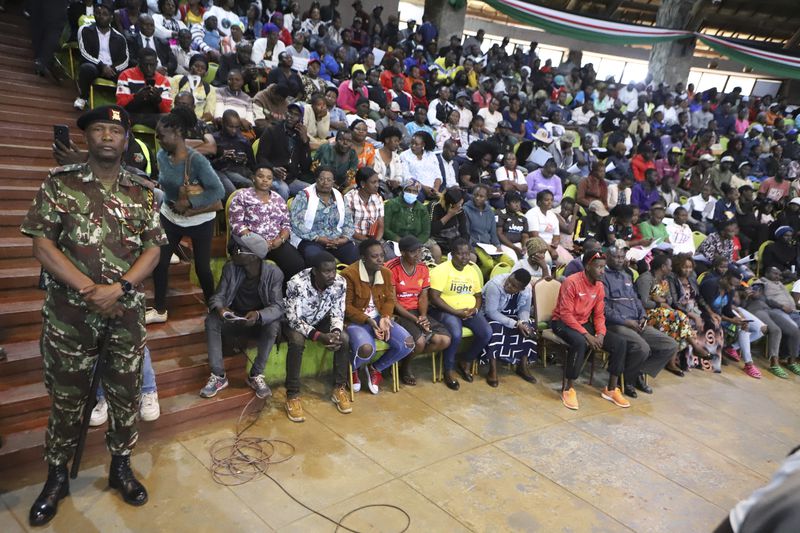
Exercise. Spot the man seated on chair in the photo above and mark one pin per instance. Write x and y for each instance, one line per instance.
(369, 307)
(103, 49)
(456, 292)
(248, 302)
(315, 299)
(412, 282)
(579, 319)
(145, 37)
(648, 349)
(143, 92)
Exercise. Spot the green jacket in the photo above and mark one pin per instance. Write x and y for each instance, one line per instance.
(402, 219)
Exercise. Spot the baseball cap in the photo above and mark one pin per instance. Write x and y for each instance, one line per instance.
(597, 206)
(726, 159)
(708, 158)
(394, 106)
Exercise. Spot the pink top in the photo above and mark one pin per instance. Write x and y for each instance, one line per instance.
(740, 126)
(247, 211)
(347, 97)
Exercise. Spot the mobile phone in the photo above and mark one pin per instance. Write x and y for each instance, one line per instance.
(150, 83)
(61, 134)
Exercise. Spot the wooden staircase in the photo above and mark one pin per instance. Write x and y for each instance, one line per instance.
(30, 107)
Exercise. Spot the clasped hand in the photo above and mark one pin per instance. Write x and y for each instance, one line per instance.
(103, 299)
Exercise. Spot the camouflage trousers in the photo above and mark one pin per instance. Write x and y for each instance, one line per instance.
(69, 345)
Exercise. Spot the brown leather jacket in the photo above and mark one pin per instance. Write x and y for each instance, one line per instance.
(359, 291)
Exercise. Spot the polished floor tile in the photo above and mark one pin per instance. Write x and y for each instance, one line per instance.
(487, 490)
(625, 489)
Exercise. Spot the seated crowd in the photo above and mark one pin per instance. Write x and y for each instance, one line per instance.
(381, 185)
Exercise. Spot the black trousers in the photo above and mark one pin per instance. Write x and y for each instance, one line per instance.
(87, 73)
(201, 248)
(48, 18)
(576, 354)
(294, 357)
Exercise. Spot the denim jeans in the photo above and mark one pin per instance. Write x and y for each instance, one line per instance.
(286, 190)
(748, 334)
(264, 334)
(481, 335)
(361, 334)
(148, 376)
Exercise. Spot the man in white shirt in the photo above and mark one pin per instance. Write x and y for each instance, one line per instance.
(700, 119)
(447, 163)
(462, 101)
(581, 115)
(701, 210)
(629, 96)
(439, 108)
(670, 111)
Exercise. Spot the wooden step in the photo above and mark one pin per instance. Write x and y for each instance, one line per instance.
(184, 329)
(178, 413)
(18, 310)
(15, 247)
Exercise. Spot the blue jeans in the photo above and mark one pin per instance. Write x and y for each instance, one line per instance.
(481, 335)
(148, 376)
(347, 253)
(286, 190)
(748, 334)
(361, 334)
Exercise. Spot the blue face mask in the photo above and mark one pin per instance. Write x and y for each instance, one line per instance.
(409, 197)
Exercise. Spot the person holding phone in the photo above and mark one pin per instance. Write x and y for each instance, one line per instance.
(315, 302)
(143, 91)
(248, 303)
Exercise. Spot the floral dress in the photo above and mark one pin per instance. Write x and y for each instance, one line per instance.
(671, 321)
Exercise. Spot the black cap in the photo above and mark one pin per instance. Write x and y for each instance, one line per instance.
(409, 243)
(107, 113)
(108, 4)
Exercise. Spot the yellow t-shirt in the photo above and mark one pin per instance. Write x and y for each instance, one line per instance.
(458, 287)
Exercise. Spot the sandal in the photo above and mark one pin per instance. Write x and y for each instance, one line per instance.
(794, 368)
(778, 371)
(752, 371)
(408, 379)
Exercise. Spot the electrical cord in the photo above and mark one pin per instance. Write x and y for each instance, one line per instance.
(238, 460)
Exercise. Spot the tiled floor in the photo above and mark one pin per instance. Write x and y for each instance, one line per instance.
(481, 459)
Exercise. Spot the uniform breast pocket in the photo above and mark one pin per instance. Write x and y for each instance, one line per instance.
(131, 230)
(80, 227)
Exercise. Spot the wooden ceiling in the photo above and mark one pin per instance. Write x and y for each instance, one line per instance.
(773, 22)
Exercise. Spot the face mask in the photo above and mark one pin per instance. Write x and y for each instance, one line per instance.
(409, 197)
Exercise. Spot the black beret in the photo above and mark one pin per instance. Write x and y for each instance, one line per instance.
(108, 113)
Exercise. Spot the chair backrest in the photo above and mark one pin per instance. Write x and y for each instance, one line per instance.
(701, 277)
(698, 238)
(545, 296)
(760, 257)
(571, 191)
(500, 268)
(211, 73)
(255, 146)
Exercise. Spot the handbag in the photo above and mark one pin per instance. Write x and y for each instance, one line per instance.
(189, 189)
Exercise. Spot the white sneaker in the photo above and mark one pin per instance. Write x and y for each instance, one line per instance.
(174, 260)
(99, 413)
(79, 104)
(152, 316)
(149, 409)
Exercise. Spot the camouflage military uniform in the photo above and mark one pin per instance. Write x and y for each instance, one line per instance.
(102, 233)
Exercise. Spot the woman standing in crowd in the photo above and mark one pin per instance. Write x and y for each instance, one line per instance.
(192, 196)
(259, 221)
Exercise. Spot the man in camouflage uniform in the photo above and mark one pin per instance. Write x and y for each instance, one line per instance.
(96, 233)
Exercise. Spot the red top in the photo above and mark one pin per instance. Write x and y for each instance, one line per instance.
(408, 287)
(639, 166)
(579, 300)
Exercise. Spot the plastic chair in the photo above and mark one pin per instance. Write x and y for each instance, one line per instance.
(255, 146)
(698, 238)
(545, 296)
(99, 82)
(571, 191)
(211, 73)
(760, 257)
(227, 224)
(500, 268)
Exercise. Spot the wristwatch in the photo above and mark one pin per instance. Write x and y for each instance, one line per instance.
(127, 286)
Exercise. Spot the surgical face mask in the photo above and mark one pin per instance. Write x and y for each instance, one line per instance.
(410, 197)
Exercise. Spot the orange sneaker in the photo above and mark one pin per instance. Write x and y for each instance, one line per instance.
(570, 399)
(615, 396)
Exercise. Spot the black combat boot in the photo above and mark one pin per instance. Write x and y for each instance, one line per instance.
(55, 488)
(121, 478)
